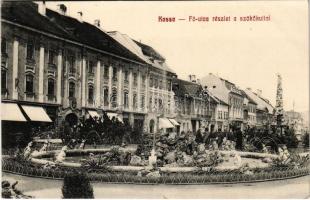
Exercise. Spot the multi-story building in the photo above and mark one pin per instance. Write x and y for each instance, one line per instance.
(228, 93)
(264, 110)
(195, 108)
(157, 98)
(58, 68)
(249, 111)
(295, 121)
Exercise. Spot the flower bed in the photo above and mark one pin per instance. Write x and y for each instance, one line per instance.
(210, 176)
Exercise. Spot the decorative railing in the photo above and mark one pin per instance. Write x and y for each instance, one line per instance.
(105, 175)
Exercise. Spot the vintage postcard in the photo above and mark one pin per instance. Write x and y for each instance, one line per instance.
(155, 99)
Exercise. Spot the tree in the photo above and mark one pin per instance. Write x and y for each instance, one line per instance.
(77, 185)
(289, 138)
(305, 140)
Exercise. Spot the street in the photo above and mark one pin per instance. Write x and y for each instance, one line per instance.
(293, 188)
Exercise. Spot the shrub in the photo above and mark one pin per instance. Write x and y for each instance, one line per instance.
(305, 140)
(77, 185)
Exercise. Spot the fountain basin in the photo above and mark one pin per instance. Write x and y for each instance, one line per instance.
(74, 156)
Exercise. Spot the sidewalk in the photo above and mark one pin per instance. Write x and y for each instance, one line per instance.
(293, 188)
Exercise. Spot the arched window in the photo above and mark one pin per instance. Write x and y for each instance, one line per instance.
(71, 89)
(29, 83)
(90, 94)
(126, 102)
(106, 96)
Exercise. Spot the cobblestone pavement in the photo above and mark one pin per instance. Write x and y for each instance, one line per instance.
(293, 188)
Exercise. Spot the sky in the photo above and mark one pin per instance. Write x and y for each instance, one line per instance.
(249, 54)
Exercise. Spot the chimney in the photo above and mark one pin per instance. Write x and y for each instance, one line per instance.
(259, 92)
(198, 81)
(97, 22)
(42, 8)
(80, 16)
(192, 78)
(62, 9)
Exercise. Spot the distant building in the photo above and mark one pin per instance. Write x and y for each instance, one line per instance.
(249, 111)
(264, 110)
(228, 93)
(295, 121)
(195, 108)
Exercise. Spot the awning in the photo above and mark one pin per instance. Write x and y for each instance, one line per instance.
(165, 123)
(36, 113)
(175, 123)
(93, 114)
(11, 112)
(111, 115)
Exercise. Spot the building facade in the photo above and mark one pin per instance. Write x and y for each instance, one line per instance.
(195, 108)
(264, 110)
(71, 69)
(249, 111)
(294, 120)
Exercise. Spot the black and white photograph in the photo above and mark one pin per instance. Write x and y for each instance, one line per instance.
(155, 99)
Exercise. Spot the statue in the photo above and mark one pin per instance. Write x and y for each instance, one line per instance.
(214, 146)
(62, 155)
(237, 159)
(264, 149)
(82, 145)
(44, 147)
(27, 151)
(286, 152)
(152, 158)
